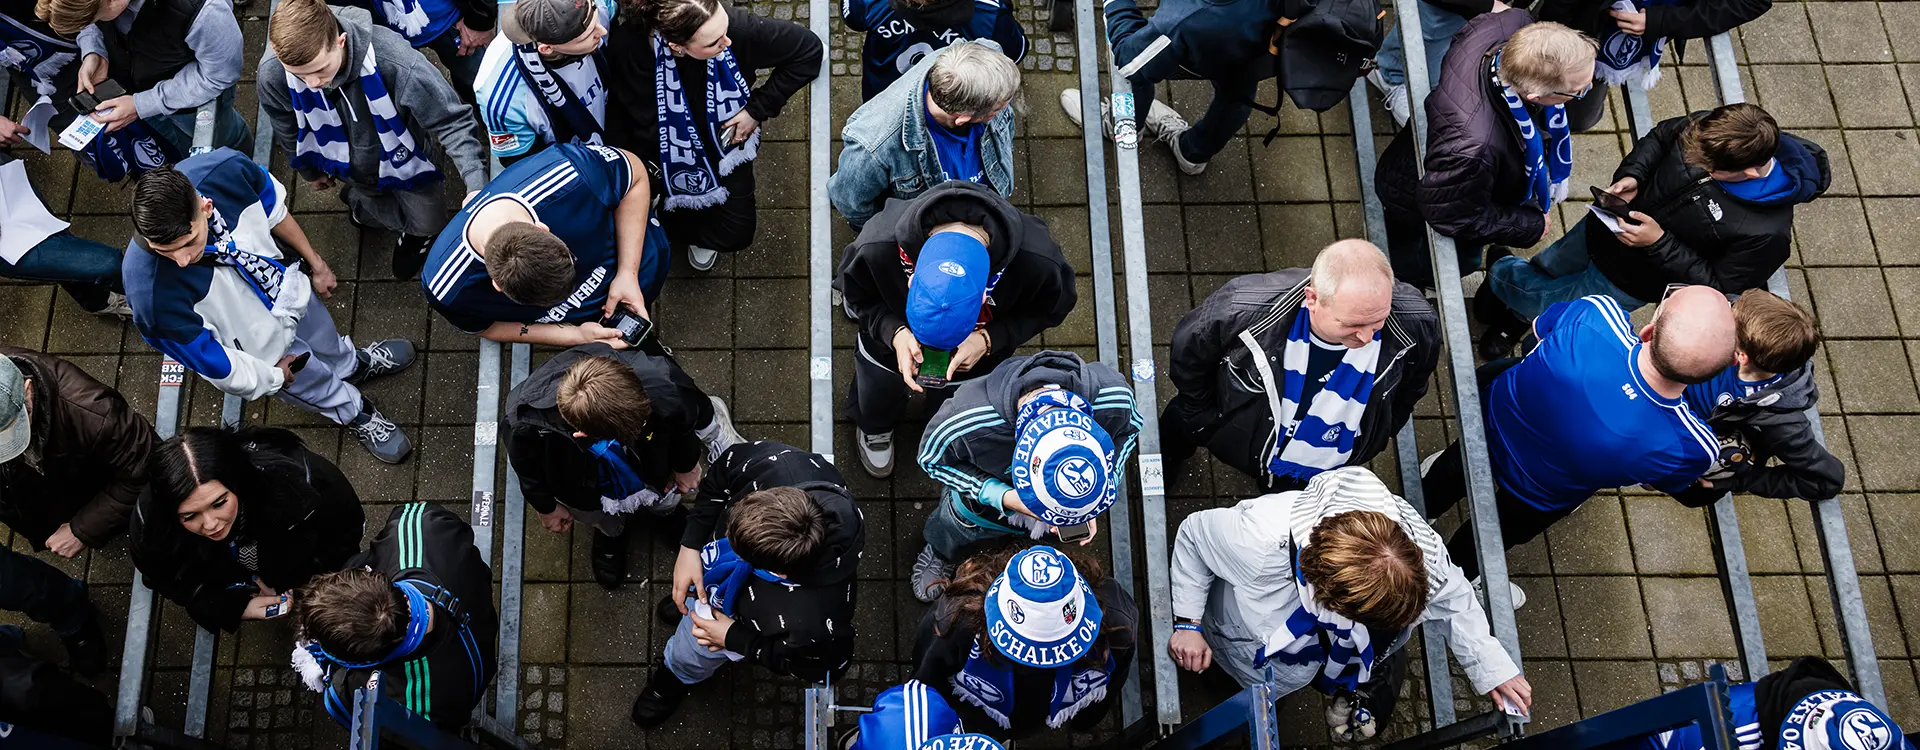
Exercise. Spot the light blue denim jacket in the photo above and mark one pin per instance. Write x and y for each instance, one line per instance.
(890, 154)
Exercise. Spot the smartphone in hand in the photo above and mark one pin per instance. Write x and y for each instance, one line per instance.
(1612, 204)
(933, 367)
(633, 328)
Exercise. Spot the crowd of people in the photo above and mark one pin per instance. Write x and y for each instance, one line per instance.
(629, 135)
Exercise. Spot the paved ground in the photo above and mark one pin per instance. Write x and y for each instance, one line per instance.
(1624, 599)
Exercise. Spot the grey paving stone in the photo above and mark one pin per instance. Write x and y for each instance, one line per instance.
(1833, 232)
(1295, 233)
(1604, 617)
(1767, 535)
(1229, 175)
(1668, 538)
(1873, 376)
(770, 313)
(1851, 302)
(1885, 446)
(1895, 155)
(698, 313)
(1607, 685)
(1786, 616)
(599, 701)
(1685, 620)
(1292, 169)
(1894, 234)
(1542, 635)
(1780, 35)
(1849, 32)
(1224, 239)
(1059, 176)
(1865, 95)
(1794, 95)
(1592, 540)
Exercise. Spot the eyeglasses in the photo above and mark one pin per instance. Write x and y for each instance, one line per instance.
(1671, 288)
(1584, 91)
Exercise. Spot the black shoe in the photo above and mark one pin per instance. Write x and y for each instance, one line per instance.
(666, 612)
(1495, 344)
(87, 649)
(658, 699)
(409, 254)
(609, 560)
(1492, 255)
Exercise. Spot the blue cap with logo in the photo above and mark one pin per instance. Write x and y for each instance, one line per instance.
(1839, 720)
(1062, 459)
(1040, 612)
(949, 285)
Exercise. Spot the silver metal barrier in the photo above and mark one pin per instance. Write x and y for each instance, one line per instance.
(513, 532)
(819, 698)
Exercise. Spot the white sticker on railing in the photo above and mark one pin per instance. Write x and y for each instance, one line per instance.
(486, 433)
(482, 508)
(172, 373)
(1153, 479)
(1143, 369)
(822, 368)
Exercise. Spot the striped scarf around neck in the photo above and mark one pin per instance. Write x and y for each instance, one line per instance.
(324, 145)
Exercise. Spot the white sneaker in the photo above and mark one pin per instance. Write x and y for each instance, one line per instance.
(839, 300)
(719, 435)
(1394, 97)
(117, 307)
(701, 258)
(1173, 144)
(1517, 595)
(1426, 464)
(876, 454)
(1160, 117)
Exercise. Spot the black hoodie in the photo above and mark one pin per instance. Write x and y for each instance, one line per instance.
(1712, 236)
(1776, 425)
(311, 526)
(1036, 286)
(804, 630)
(555, 467)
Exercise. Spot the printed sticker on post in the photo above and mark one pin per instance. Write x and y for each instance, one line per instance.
(1153, 479)
(482, 508)
(822, 368)
(1143, 369)
(81, 133)
(172, 373)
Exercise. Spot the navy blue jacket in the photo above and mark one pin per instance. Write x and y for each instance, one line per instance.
(1216, 40)
(894, 44)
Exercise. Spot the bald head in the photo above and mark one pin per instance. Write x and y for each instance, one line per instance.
(1351, 292)
(1691, 337)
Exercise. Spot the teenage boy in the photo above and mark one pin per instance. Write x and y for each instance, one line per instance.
(562, 237)
(1029, 449)
(599, 435)
(900, 34)
(540, 82)
(1758, 407)
(211, 288)
(417, 606)
(991, 280)
(773, 585)
(170, 56)
(357, 107)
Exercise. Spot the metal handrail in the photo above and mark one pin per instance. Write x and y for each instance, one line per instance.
(819, 698)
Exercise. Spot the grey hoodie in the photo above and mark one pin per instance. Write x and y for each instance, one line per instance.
(1777, 425)
(428, 103)
(969, 443)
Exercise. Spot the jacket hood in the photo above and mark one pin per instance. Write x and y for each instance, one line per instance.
(357, 24)
(1805, 163)
(846, 536)
(1794, 392)
(970, 202)
(1005, 385)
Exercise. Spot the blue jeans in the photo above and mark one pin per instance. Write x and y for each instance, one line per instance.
(88, 270)
(1561, 273)
(229, 129)
(30, 586)
(1437, 27)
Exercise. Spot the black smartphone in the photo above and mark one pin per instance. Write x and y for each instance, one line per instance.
(633, 328)
(299, 363)
(84, 102)
(1075, 533)
(933, 367)
(1610, 203)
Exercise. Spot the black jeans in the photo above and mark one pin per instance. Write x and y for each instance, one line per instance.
(1445, 485)
(40, 591)
(877, 397)
(1407, 250)
(728, 227)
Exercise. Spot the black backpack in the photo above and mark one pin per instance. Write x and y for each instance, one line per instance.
(1319, 48)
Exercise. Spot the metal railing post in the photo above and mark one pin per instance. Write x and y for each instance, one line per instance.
(819, 698)
(513, 531)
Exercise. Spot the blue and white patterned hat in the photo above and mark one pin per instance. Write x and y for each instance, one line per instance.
(1062, 459)
(962, 742)
(1040, 612)
(1839, 720)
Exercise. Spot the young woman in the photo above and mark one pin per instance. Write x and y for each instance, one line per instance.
(1023, 641)
(234, 520)
(684, 71)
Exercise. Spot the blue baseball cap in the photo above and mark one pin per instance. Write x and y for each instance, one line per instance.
(1839, 720)
(949, 285)
(1062, 459)
(1040, 612)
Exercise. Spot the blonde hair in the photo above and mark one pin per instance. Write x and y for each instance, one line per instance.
(302, 30)
(1363, 566)
(1541, 55)
(67, 17)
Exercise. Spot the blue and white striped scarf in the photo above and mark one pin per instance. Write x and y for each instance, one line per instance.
(988, 684)
(1317, 636)
(1549, 159)
(323, 143)
(1323, 438)
(271, 280)
(692, 182)
(1623, 56)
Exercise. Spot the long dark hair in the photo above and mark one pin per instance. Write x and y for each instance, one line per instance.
(676, 20)
(963, 605)
(251, 462)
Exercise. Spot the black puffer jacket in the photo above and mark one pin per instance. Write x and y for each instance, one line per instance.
(1687, 19)
(1476, 176)
(555, 468)
(1712, 237)
(1036, 284)
(312, 526)
(805, 630)
(1222, 397)
(1775, 424)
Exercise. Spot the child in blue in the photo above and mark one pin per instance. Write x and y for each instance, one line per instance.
(1759, 406)
(561, 237)
(901, 32)
(1807, 706)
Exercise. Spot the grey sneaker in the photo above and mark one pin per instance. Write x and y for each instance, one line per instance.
(876, 454)
(378, 435)
(930, 575)
(380, 359)
(1160, 117)
(1394, 97)
(719, 435)
(117, 307)
(1172, 139)
(701, 258)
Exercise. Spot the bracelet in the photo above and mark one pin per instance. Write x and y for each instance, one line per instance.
(1193, 626)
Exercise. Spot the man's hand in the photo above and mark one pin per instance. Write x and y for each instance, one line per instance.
(1642, 234)
(1546, 226)
(906, 355)
(743, 126)
(64, 543)
(968, 353)
(1190, 651)
(1704, 483)
(261, 588)
(323, 281)
(469, 198)
(1626, 188)
(93, 70)
(625, 290)
(560, 521)
(116, 113)
(712, 633)
(323, 182)
(286, 370)
(1093, 530)
(472, 41)
(591, 332)
(687, 572)
(1499, 7)
(689, 481)
(1514, 693)
(1632, 22)
(257, 607)
(12, 132)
